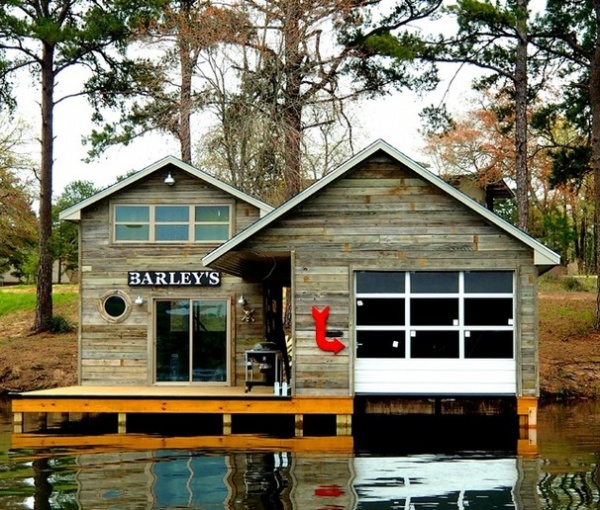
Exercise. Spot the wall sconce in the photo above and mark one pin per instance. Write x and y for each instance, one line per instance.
(242, 301)
(169, 181)
(139, 300)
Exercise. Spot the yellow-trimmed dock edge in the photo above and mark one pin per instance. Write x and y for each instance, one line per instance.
(171, 400)
(527, 408)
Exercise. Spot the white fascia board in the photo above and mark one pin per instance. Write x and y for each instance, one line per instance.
(73, 213)
(542, 254)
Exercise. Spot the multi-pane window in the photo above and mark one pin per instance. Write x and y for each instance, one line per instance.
(172, 223)
(426, 315)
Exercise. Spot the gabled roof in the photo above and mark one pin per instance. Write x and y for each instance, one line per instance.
(73, 213)
(543, 256)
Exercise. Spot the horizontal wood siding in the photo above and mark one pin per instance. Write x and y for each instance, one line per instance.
(383, 217)
(121, 353)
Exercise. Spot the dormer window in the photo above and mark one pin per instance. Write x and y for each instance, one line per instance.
(172, 223)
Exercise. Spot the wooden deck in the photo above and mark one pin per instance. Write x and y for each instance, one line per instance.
(226, 401)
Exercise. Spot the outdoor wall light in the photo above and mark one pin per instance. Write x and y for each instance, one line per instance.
(242, 301)
(169, 180)
(139, 300)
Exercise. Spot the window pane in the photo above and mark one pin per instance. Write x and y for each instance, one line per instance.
(433, 312)
(489, 344)
(133, 213)
(212, 232)
(171, 233)
(115, 306)
(209, 341)
(379, 282)
(379, 312)
(212, 213)
(489, 281)
(488, 312)
(172, 341)
(380, 344)
(131, 233)
(434, 344)
(174, 214)
(429, 282)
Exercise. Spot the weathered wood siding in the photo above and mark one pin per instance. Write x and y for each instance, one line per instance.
(382, 216)
(121, 353)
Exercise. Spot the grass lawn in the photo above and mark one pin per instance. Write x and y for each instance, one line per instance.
(23, 297)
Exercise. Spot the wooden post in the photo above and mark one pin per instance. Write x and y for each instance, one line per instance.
(122, 423)
(65, 418)
(527, 412)
(343, 424)
(41, 421)
(226, 424)
(18, 423)
(299, 425)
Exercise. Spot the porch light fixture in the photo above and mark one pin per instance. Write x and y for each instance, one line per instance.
(242, 301)
(169, 181)
(139, 300)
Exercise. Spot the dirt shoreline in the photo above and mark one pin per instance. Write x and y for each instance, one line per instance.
(569, 351)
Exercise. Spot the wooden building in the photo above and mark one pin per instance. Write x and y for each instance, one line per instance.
(380, 283)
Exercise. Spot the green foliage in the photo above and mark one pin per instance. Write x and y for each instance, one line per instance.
(570, 165)
(65, 235)
(29, 267)
(18, 224)
(554, 227)
(60, 324)
(573, 284)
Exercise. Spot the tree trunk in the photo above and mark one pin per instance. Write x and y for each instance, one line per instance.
(595, 103)
(522, 169)
(292, 114)
(43, 311)
(185, 95)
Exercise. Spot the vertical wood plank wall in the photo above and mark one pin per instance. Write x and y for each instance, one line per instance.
(384, 217)
(120, 353)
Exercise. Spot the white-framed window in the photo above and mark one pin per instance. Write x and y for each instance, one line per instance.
(171, 223)
(435, 314)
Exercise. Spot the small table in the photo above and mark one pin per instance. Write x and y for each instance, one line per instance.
(268, 362)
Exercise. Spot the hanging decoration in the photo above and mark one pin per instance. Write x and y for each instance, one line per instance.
(320, 317)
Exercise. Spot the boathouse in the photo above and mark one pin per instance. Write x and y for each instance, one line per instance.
(380, 288)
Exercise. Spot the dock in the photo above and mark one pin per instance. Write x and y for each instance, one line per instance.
(228, 402)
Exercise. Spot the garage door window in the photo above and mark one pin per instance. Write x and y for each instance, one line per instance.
(456, 315)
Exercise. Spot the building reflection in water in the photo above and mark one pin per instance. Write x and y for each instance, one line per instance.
(267, 480)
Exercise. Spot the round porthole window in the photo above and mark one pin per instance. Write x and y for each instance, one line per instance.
(115, 306)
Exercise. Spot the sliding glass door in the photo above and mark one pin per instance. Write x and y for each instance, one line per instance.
(191, 341)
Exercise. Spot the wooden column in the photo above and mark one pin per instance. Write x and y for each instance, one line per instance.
(343, 424)
(226, 424)
(299, 425)
(527, 412)
(122, 423)
(18, 423)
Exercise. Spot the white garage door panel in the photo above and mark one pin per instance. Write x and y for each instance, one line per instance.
(435, 376)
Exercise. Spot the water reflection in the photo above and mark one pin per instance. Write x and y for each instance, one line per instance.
(400, 468)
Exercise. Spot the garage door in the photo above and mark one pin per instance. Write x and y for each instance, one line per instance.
(427, 332)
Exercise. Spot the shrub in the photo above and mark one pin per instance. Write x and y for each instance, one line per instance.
(60, 324)
(573, 284)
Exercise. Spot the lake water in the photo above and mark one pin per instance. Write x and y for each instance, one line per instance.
(409, 464)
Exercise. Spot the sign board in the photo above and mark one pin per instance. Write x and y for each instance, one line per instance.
(174, 278)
